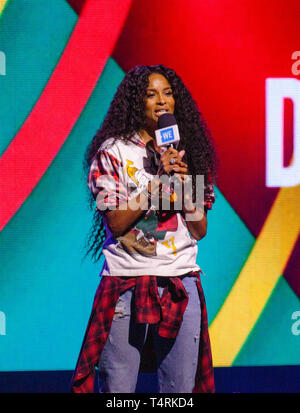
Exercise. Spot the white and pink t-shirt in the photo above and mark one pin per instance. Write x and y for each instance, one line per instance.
(159, 243)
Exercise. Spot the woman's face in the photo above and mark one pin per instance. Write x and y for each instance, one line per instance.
(159, 99)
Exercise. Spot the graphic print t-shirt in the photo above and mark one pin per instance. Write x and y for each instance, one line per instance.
(158, 244)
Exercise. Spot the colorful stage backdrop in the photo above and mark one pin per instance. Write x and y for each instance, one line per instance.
(60, 64)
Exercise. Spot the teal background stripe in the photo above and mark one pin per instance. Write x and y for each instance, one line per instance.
(222, 253)
(46, 291)
(33, 35)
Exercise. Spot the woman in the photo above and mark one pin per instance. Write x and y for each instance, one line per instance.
(150, 280)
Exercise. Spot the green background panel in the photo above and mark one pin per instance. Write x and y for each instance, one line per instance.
(46, 291)
(33, 35)
(222, 253)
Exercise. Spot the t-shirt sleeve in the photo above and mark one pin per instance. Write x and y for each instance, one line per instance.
(106, 181)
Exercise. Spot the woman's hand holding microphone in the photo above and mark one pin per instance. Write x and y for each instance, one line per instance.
(170, 164)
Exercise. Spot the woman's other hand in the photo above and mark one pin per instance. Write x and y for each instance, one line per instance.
(171, 160)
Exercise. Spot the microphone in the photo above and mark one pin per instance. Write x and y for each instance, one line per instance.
(167, 133)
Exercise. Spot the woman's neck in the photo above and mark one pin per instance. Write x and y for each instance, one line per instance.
(146, 136)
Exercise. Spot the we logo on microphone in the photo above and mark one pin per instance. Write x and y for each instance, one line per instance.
(167, 135)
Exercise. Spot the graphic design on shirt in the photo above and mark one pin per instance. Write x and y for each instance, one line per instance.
(131, 170)
(169, 243)
(138, 176)
(148, 231)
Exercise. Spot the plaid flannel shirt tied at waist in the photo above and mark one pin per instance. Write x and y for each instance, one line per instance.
(167, 312)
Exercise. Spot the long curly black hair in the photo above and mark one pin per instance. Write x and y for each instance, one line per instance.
(126, 116)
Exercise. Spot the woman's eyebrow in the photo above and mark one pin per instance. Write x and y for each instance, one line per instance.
(154, 90)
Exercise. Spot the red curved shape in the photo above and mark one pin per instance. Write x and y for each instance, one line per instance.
(41, 136)
(221, 50)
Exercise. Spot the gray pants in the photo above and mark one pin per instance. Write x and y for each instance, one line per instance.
(176, 358)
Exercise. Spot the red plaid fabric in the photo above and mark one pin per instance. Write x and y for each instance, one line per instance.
(167, 311)
(104, 181)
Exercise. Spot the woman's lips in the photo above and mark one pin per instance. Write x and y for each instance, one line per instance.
(159, 112)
